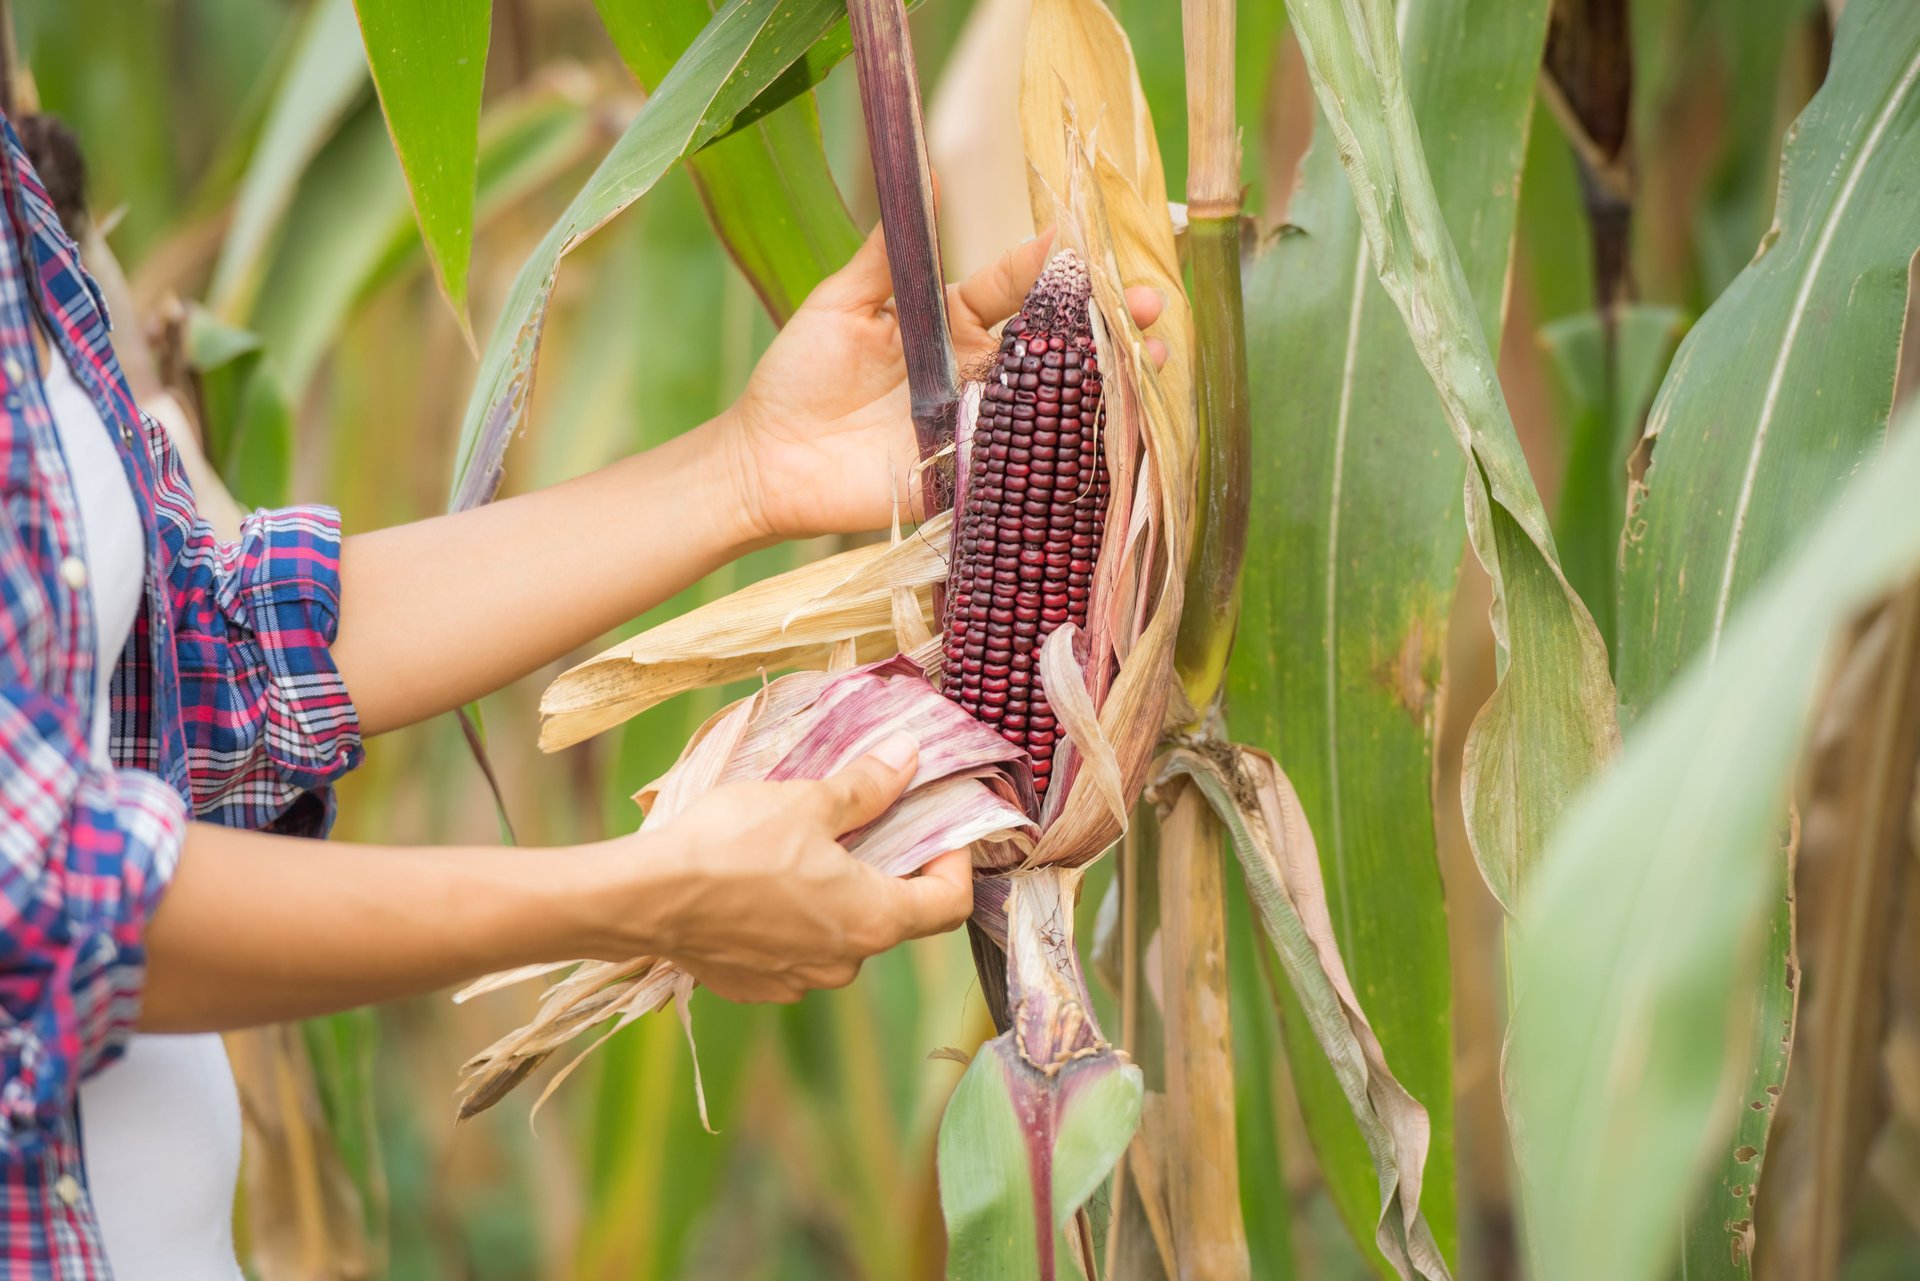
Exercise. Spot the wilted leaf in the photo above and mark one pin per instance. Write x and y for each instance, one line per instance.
(793, 619)
(1269, 833)
(1854, 842)
(971, 786)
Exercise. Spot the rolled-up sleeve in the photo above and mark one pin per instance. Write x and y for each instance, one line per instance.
(269, 724)
(85, 853)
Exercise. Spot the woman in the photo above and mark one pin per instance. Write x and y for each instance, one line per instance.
(174, 711)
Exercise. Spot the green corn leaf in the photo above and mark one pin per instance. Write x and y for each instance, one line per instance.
(766, 184)
(429, 63)
(747, 45)
(991, 1162)
(350, 229)
(249, 416)
(1650, 915)
(1044, 1111)
(341, 1048)
(1550, 720)
(1781, 392)
(325, 75)
(1785, 385)
(1603, 410)
(1355, 543)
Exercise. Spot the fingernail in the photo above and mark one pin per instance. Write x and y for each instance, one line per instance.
(897, 751)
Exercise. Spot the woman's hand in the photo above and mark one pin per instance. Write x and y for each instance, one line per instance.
(759, 901)
(821, 441)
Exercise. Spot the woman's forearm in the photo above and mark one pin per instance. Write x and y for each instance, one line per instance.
(258, 929)
(440, 612)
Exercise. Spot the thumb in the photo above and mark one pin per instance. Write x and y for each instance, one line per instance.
(863, 790)
(863, 284)
(939, 898)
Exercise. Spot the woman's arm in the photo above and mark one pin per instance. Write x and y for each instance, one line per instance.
(440, 612)
(748, 890)
(435, 614)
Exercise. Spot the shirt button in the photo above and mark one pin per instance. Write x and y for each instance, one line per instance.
(67, 1188)
(15, 374)
(73, 572)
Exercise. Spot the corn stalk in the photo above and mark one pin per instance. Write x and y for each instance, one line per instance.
(1193, 1150)
(903, 180)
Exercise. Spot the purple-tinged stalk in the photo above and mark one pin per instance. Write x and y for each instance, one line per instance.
(903, 182)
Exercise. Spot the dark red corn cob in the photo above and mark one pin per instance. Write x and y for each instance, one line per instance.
(1033, 507)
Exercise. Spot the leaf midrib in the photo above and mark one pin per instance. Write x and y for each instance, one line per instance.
(1330, 638)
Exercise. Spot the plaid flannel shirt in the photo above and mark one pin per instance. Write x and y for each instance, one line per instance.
(226, 707)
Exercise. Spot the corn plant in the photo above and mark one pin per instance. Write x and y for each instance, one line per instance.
(1051, 632)
(1193, 645)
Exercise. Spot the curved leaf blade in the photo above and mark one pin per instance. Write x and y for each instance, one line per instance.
(743, 49)
(1784, 387)
(1550, 720)
(1645, 925)
(765, 183)
(1780, 393)
(429, 64)
(324, 77)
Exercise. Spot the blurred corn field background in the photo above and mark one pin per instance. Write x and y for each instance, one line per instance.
(1607, 170)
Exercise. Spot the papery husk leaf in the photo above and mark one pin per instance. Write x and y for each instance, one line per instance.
(970, 786)
(1262, 816)
(1064, 680)
(1138, 581)
(790, 620)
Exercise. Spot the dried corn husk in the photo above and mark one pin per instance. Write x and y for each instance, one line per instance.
(970, 785)
(795, 619)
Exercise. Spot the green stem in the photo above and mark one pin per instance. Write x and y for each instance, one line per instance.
(1212, 605)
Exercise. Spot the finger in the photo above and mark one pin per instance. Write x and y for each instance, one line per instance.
(1146, 303)
(995, 292)
(940, 898)
(863, 284)
(745, 989)
(1156, 352)
(833, 977)
(863, 790)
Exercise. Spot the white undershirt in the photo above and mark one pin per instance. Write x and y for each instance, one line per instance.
(160, 1129)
